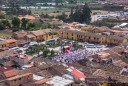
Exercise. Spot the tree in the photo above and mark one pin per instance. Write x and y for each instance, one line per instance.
(56, 1)
(77, 15)
(45, 52)
(82, 15)
(71, 15)
(16, 22)
(62, 17)
(24, 23)
(1, 26)
(6, 23)
(86, 14)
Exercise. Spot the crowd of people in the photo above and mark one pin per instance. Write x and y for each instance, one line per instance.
(75, 55)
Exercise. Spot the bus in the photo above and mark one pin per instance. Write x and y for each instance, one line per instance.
(50, 41)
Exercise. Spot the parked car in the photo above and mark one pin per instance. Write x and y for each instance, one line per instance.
(86, 43)
(99, 46)
(33, 43)
(25, 46)
(14, 48)
(90, 46)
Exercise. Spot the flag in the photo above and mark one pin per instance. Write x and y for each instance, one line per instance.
(61, 32)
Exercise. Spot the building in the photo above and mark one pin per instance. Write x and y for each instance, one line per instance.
(7, 72)
(19, 34)
(8, 43)
(20, 59)
(94, 38)
(19, 79)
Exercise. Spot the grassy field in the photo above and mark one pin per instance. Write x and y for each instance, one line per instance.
(5, 33)
(58, 11)
(96, 6)
(50, 10)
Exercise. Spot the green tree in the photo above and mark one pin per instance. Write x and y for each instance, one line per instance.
(71, 15)
(52, 52)
(24, 23)
(77, 15)
(57, 2)
(16, 22)
(2, 16)
(1, 26)
(86, 14)
(45, 52)
(62, 17)
(6, 23)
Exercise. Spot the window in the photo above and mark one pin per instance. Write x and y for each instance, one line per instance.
(72, 34)
(19, 78)
(28, 77)
(15, 80)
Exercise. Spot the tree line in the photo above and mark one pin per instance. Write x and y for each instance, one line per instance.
(81, 14)
(16, 24)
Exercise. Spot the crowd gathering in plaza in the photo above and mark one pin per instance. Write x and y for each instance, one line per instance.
(74, 55)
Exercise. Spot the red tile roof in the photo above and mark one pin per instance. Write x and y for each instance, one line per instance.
(26, 74)
(11, 40)
(8, 71)
(42, 81)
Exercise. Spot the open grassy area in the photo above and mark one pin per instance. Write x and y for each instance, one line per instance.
(96, 6)
(50, 10)
(5, 34)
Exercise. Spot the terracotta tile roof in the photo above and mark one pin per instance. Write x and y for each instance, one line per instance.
(30, 36)
(11, 40)
(47, 30)
(44, 73)
(42, 81)
(21, 33)
(105, 74)
(26, 74)
(38, 32)
(19, 76)
(103, 29)
(8, 71)
(87, 27)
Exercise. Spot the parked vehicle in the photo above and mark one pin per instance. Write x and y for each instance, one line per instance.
(25, 46)
(14, 48)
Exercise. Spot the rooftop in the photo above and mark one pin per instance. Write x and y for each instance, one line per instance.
(59, 81)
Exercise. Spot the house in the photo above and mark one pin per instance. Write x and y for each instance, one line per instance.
(11, 43)
(19, 34)
(57, 80)
(19, 80)
(50, 33)
(7, 72)
(20, 59)
(39, 34)
(8, 43)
